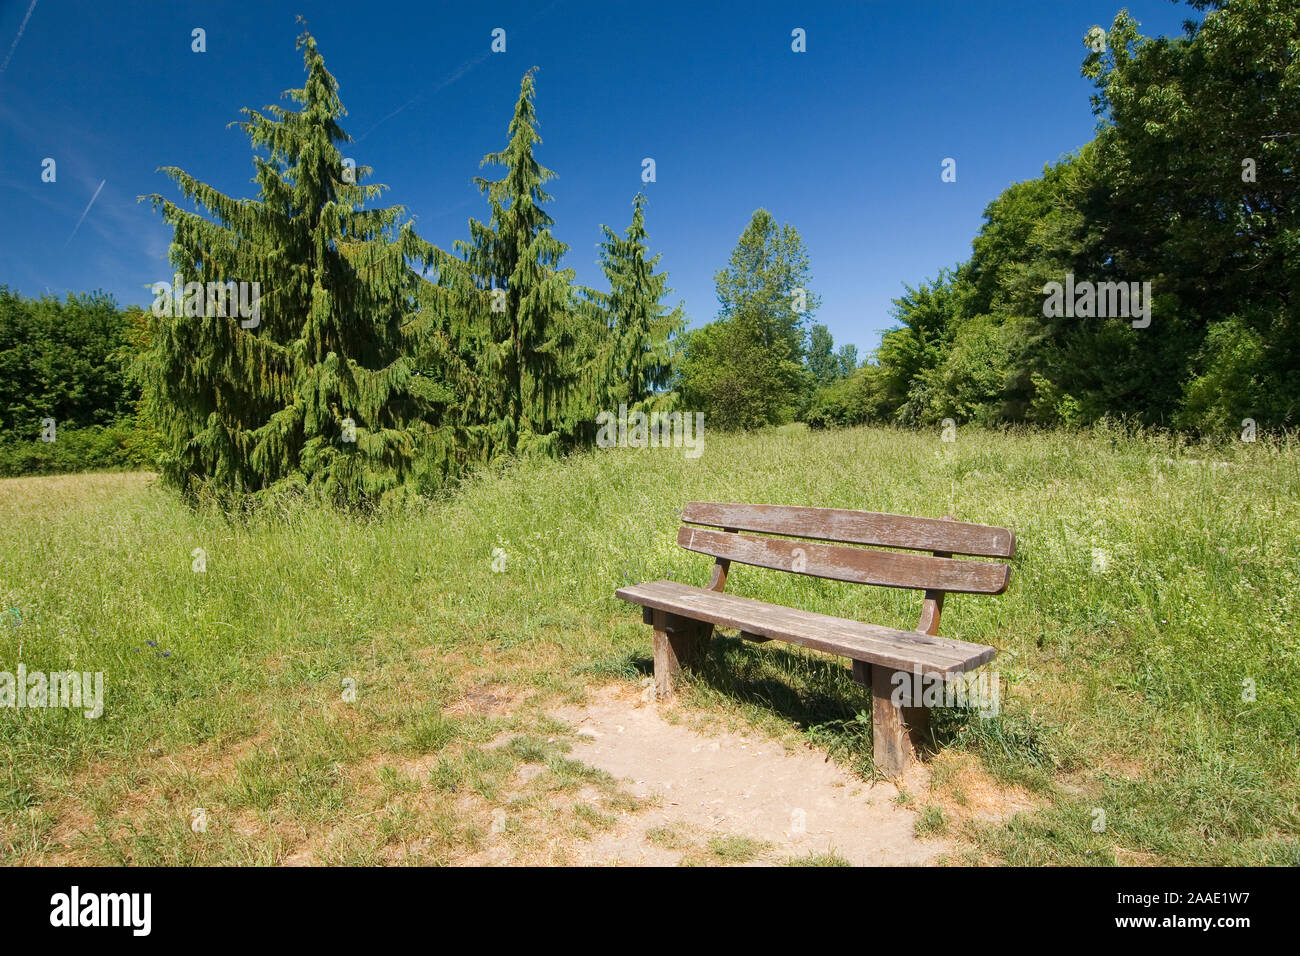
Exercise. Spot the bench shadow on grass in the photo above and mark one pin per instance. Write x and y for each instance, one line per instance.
(816, 694)
(808, 691)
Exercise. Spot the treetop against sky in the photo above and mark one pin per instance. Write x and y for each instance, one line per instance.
(841, 130)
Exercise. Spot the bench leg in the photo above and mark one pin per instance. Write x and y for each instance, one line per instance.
(677, 641)
(896, 732)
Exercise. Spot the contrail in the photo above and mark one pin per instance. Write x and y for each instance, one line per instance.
(23, 26)
(461, 71)
(464, 68)
(83, 214)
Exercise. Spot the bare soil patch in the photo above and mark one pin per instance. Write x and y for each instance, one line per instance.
(707, 791)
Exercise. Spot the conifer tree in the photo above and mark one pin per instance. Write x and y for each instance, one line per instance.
(643, 332)
(321, 392)
(524, 320)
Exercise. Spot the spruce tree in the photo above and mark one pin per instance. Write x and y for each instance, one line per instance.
(643, 332)
(524, 321)
(321, 394)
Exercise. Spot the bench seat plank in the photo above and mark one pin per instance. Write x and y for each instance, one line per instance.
(899, 650)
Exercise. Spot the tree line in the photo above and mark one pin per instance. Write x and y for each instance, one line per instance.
(373, 364)
(379, 365)
(67, 402)
(1190, 185)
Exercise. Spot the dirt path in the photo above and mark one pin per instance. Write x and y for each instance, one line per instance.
(791, 804)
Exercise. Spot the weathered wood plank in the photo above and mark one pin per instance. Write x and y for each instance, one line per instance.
(862, 565)
(856, 527)
(893, 649)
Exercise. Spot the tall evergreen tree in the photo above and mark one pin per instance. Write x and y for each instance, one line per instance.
(642, 331)
(525, 322)
(321, 393)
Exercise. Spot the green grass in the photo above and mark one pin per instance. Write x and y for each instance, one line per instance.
(931, 822)
(818, 859)
(670, 838)
(1122, 688)
(735, 848)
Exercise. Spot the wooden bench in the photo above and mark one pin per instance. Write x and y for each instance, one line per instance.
(683, 616)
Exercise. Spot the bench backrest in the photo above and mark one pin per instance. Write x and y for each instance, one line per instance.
(935, 572)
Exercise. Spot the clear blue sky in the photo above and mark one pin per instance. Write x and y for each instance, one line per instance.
(844, 141)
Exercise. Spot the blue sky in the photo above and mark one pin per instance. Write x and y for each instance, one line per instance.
(844, 141)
